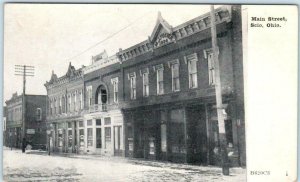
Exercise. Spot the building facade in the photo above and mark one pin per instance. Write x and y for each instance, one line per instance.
(65, 96)
(156, 100)
(35, 121)
(169, 101)
(103, 120)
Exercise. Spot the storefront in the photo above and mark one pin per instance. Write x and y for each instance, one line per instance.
(104, 133)
(67, 136)
(186, 133)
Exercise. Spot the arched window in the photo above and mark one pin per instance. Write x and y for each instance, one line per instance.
(101, 95)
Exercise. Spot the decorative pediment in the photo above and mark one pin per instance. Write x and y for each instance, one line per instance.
(71, 70)
(162, 33)
(53, 77)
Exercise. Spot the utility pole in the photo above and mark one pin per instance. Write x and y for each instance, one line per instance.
(218, 88)
(24, 70)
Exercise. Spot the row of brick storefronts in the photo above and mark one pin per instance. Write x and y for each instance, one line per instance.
(155, 100)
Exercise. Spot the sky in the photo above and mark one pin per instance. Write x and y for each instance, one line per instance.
(49, 36)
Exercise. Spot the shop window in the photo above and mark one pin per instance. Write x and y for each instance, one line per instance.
(81, 137)
(60, 137)
(38, 114)
(130, 137)
(70, 138)
(228, 130)
(98, 122)
(98, 138)
(90, 137)
(177, 131)
(163, 129)
(107, 137)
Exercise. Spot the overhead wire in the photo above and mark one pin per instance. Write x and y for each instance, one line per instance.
(108, 37)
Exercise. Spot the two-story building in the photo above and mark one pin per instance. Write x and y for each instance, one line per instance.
(169, 99)
(103, 120)
(35, 121)
(65, 110)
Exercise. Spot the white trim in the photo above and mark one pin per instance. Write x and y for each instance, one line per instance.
(175, 61)
(158, 67)
(144, 70)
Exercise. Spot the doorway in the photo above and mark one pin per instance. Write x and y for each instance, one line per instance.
(117, 140)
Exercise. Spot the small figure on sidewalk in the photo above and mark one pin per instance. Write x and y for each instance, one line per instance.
(23, 145)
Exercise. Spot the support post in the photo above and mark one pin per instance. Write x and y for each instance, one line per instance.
(218, 88)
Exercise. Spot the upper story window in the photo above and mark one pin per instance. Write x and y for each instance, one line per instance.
(159, 78)
(80, 100)
(59, 108)
(145, 75)
(89, 95)
(115, 82)
(69, 102)
(191, 60)
(175, 75)
(63, 104)
(101, 95)
(75, 100)
(132, 78)
(38, 114)
(208, 54)
(55, 104)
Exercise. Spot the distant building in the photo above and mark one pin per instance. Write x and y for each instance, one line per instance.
(65, 110)
(35, 121)
(5, 142)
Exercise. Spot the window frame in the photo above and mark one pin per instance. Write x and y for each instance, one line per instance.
(115, 83)
(189, 59)
(144, 73)
(159, 82)
(171, 66)
(208, 54)
(132, 79)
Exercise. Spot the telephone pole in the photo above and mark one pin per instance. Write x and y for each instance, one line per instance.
(218, 88)
(24, 70)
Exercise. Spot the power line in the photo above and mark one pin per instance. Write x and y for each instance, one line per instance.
(108, 37)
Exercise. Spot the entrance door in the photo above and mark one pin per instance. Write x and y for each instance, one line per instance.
(117, 140)
(196, 135)
(98, 138)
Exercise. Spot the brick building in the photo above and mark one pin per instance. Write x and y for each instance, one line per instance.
(35, 121)
(169, 102)
(65, 110)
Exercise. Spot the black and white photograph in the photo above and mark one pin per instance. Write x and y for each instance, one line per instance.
(125, 92)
